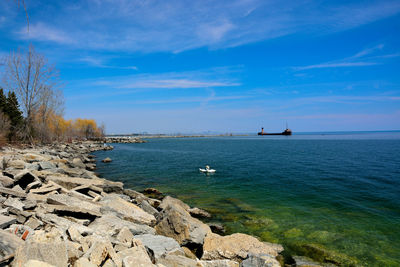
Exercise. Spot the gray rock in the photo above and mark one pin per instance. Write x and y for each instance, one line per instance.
(125, 236)
(16, 164)
(77, 163)
(34, 223)
(66, 200)
(30, 204)
(160, 245)
(177, 223)
(5, 221)
(7, 191)
(176, 261)
(148, 208)
(100, 250)
(45, 165)
(199, 213)
(14, 202)
(62, 223)
(109, 223)
(8, 243)
(24, 178)
(219, 263)
(32, 166)
(73, 211)
(260, 260)
(36, 263)
(6, 181)
(128, 210)
(52, 252)
(135, 257)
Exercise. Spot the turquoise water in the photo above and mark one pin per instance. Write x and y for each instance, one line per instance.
(339, 191)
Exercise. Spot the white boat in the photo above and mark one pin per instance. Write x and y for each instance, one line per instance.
(207, 170)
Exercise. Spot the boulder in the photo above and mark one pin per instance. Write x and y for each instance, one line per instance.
(221, 263)
(110, 223)
(16, 164)
(45, 165)
(177, 261)
(84, 262)
(148, 208)
(107, 160)
(125, 236)
(14, 202)
(36, 263)
(77, 163)
(5, 221)
(199, 213)
(135, 257)
(11, 192)
(24, 178)
(8, 243)
(67, 200)
(173, 202)
(6, 181)
(160, 245)
(46, 247)
(260, 260)
(126, 210)
(177, 223)
(100, 250)
(72, 182)
(236, 247)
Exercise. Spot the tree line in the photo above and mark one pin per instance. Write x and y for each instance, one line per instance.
(32, 103)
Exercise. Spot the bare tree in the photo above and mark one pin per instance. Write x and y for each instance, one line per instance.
(36, 84)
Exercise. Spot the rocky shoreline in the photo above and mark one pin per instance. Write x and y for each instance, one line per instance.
(55, 211)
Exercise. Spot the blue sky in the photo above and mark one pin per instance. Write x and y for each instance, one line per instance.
(221, 66)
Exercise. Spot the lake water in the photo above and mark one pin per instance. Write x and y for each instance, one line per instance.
(340, 191)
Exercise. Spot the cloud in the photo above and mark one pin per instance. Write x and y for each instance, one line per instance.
(43, 32)
(178, 25)
(101, 63)
(207, 78)
(364, 58)
(337, 65)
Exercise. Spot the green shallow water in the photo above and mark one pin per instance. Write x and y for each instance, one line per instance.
(339, 192)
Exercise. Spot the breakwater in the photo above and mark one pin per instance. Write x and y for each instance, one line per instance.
(55, 211)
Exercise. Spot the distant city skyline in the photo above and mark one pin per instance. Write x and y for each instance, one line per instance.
(219, 66)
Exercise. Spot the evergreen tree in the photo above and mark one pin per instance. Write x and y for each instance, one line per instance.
(14, 113)
(3, 100)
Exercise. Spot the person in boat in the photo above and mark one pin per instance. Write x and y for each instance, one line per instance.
(207, 167)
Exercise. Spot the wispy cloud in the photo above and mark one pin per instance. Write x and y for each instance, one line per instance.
(208, 78)
(44, 32)
(101, 63)
(364, 58)
(178, 25)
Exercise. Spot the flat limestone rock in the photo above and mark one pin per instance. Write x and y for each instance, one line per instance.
(224, 263)
(63, 199)
(159, 244)
(15, 203)
(135, 257)
(129, 211)
(7, 191)
(54, 253)
(62, 223)
(36, 263)
(72, 182)
(6, 181)
(177, 260)
(236, 247)
(110, 223)
(5, 221)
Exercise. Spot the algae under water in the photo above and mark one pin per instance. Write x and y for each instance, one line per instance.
(330, 196)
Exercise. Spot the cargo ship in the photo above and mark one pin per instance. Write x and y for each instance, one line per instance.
(287, 131)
